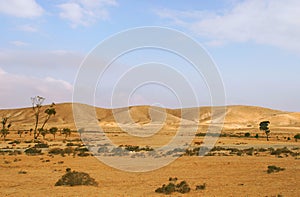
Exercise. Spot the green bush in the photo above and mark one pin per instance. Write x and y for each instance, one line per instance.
(75, 178)
(181, 187)
(247, 134)
(297, 137)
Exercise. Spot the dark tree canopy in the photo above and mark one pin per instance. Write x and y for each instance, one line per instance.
(264, 126)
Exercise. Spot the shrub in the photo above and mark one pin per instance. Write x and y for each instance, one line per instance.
(166, 189)
(41, 145)
(272, 169)
(83, 154)
(22, 172)
(181, 187)
(68, 150)
(297, 137)
(75, 178)
(279, 151)
(15, 142)
(201, 187)
(247, 134)
(33, 151)
(56, 151)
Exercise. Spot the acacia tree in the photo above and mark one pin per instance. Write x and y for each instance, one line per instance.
(53, 131)
(5, 127)
(36, 107)
(66, 132)
(264, 126)
(37, 103)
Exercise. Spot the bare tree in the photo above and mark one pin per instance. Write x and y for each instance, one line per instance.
(37, 103)
(36, 107)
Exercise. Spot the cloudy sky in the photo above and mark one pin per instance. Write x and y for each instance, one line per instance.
(254, 43)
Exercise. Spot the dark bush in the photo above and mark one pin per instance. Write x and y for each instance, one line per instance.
(75, 178)
(247, 134)
(279, 151)
(68, 150)
(15, 142)
(56, 151)
(166, 189)
(33, 151)
(41, 145)
(272, 169)
(201, 187)
(181, 187)
(83, 154)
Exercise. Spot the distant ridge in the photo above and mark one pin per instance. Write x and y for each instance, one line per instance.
(236, 116)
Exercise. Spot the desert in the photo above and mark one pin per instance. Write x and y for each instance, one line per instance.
(236, 166)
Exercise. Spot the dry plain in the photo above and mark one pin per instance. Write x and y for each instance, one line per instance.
(236, 166)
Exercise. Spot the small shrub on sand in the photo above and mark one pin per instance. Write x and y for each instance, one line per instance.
(41, 145)
(33, 151)
(56, 151)
(73, 178)
(201, 187)
(181, 187)
(272, 169)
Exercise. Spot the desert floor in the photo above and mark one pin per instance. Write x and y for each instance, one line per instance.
(237, 166)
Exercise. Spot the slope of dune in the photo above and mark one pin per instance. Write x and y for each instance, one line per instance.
(236, 116)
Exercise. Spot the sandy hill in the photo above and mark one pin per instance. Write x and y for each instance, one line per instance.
(236, 116)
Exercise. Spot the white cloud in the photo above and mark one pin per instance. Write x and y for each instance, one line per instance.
(27, 28)
(85, 12)
(21, 8)
(17, 89)
(271, 22)
(18, 43)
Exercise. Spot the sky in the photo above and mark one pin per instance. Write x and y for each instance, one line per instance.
(255, 45)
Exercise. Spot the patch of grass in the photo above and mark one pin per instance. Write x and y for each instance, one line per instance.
(76, 178)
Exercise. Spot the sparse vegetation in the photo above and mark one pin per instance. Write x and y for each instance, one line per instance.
(36, 107)
(272, 169)
(33, 151)
(201, 187)
(53, 131)
(172, 187)
(66, 132)
(264, 126)
(297, 137)
(5, 127)
(73, 178)
(247, 134)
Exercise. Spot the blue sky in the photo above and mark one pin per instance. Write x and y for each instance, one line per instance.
(255, 44)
